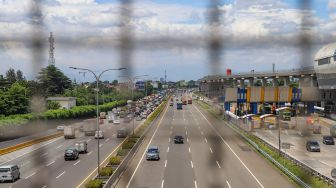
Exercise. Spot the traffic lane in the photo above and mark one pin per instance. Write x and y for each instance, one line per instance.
(253, 164)
(206, 160)
(179, 166)
(150, 173)
(126, 180)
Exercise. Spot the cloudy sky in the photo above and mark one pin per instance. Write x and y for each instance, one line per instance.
(170, 35)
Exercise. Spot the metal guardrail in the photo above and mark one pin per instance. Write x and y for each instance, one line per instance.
(123, 165)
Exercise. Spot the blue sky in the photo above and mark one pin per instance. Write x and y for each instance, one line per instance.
(257, 33)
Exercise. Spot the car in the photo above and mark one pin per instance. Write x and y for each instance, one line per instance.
(328, 140)
(153, 153)
(116, 121)
(71, 154)
(313, 146)
(99, 135)
(81, 146)
(171, 104)
(138, 118)
(9, 173)
(178, 139)
(122, 133)
(60, 127)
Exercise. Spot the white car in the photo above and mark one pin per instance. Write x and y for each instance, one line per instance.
(116, 121)
(99, 135)
(60, 127)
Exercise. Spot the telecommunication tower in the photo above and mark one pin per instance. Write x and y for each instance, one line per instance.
(51, 60)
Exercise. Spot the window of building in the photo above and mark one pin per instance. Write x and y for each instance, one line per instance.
(324, 61)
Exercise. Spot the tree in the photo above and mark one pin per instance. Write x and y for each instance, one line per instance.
(11, 76)
(19, 76)
(53, 81)
(17, 101)
(115, 82)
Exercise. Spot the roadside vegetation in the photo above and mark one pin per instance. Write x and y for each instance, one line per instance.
(300, 172)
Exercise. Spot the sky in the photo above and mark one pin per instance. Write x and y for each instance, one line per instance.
(171, 35)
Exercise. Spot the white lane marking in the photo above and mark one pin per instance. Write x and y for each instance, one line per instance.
(50, 163)
(61, 174)
(30, 175)
(31, 151)
(44, 186)
(76, 163)
(228, 184)
(206, 140)
(162, 183)
(192, 164)
(166, 163)
(189, 149)
(199, 127)
(107, 140)
(168, 149)
(218, 164)
(229, 147)
(129, 182)
(169, 140)
(195, 184)
(24, 164)
(44, 154)
(88, 140)
(58, 147)
(286, 132)
(186, 133)
(210, 150)
(100, 145)
(89, 153)
(202, 133)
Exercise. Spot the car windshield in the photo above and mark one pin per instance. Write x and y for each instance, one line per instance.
(69, 151)
(152, 150)
(4, 169)
(314, 143)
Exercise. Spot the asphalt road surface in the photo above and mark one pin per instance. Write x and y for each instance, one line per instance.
(212, 156)
(45, 166)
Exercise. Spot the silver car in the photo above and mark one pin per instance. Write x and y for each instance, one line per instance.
(153, 153)
(9, 173)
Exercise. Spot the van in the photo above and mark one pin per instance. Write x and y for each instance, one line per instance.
(81, 146)
(9, 173)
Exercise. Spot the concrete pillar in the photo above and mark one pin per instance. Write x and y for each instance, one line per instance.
(286, 81)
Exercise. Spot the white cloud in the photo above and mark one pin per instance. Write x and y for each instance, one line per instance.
(332, 4)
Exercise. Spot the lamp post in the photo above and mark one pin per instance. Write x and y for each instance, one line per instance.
(132, 81)
(97, 77)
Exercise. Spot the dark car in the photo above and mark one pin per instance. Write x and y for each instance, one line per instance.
(312, 146)
(71, 154)
(328, 140)
(178, 139)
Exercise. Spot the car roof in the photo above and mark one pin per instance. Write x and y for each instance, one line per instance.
(153, 147)
(8, 166)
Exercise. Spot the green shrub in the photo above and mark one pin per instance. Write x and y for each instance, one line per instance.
(115, 160)
(132, 139)
(106, 171)
(122, 152)
(94, 184)
(127, 145)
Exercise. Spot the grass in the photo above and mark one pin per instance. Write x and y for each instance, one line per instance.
(308, 178)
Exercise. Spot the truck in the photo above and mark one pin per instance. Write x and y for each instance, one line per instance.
(333, 131)
(179, 106)
(69, 132)
(184, 100)
(89, 129)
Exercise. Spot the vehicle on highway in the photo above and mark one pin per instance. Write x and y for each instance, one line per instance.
(138, 118)
(90, 128)
(116, 121)
(60, 127)
(99, 135)
(328, 140)
(9, 173)
(333, 131)
(178, 139)
(312, 146)
(153, 153)
(69, 132)
(171, 104)
(71, 154)
(102, 115)
(189, 101)
(81, 146)
(122, 133)
(179, 106)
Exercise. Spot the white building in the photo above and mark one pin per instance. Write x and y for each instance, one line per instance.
(65, 102)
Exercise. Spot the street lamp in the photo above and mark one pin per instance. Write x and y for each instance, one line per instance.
(132, 81)
(97, 103)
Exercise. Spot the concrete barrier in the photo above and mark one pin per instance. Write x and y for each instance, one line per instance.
(29, 143)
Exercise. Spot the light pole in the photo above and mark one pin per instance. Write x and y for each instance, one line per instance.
(132, 81)
(97, 103)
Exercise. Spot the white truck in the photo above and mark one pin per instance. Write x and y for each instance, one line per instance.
(69, 132)
(90, 128)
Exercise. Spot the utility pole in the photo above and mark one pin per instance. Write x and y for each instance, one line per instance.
(51, 40)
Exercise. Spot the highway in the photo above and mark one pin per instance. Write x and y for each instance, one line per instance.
(211, 156)
(45, 166)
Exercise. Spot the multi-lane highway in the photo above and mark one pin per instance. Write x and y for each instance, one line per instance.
(45, 166)
(211, 156)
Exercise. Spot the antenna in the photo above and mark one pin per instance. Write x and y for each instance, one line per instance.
(51, 60)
